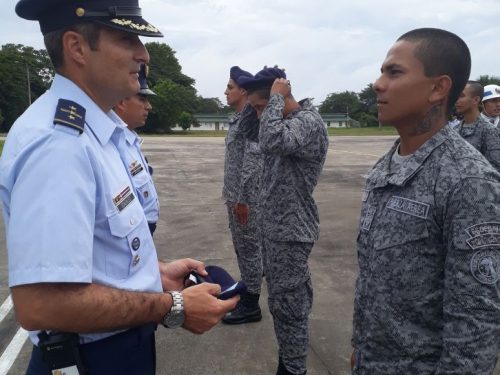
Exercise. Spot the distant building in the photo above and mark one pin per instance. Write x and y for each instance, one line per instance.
(220, 121)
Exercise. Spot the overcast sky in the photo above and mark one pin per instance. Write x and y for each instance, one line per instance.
(325, 45)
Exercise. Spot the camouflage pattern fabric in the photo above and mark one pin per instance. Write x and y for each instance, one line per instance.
(295, 151)
(290, 299)
(242, 171)
(427, 297)
(483, 137)
(247, 245)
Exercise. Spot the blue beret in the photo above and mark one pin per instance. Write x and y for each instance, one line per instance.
(236, 72)
(58, 14)
(262, 80)
(143, 74)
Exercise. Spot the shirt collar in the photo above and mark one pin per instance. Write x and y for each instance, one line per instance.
(380, 175)
(100, 123)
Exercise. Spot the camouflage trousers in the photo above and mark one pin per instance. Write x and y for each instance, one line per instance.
(290, 298)
(247, 245)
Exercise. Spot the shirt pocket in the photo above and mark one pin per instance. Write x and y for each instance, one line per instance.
(126, 226)
(142, 187)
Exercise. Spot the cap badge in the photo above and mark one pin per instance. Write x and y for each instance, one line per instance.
(80, 12)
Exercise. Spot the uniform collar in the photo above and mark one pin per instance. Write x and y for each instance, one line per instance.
(381, 175)
(470, 128)
(100, 123)
(130, 135)
(234, 118)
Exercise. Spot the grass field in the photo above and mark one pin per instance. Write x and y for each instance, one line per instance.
(335, 132)
(1, 146)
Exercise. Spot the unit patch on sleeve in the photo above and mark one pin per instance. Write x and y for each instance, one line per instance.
(484, 235)
(485, 266)
(123, 198)
(408, 206)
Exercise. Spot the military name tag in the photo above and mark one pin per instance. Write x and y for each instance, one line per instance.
(408, 206)
(135, 168)
(123, 198)
(368, 219)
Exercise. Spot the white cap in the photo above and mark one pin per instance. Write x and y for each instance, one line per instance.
(491, 92)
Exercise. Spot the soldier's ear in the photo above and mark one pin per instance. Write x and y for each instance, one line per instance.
(440, 89)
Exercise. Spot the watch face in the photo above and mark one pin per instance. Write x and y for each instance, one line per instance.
(174, 319)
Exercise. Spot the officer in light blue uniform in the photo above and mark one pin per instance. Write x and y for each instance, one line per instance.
(134, 111)
(81, 257)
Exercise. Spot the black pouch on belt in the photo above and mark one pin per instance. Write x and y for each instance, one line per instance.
(61, 354)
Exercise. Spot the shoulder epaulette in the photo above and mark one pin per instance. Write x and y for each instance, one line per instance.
(70, 114)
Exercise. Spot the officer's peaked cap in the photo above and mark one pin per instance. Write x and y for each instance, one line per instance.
(59, 14)
(263, 80)
(143, 73)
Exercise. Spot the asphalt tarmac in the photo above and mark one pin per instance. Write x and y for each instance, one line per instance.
(188, 174)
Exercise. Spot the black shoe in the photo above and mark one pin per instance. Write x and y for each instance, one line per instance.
(283, 371)
(246, 311)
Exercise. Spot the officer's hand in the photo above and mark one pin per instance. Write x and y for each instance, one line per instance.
(173, 273)
(242, 211)
(353, 359)
(281, 86)
(203, 310)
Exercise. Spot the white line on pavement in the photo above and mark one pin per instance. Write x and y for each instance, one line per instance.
(10, 354)
(356, 153)
(5, 308)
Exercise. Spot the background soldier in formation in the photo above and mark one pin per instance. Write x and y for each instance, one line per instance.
(427, 297)
(242, 171)
(134, 112)
(294, 140)
(491, 104)
(474, 128)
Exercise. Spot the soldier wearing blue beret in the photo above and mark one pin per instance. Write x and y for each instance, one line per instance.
(134, 112)
(294, 140)
(82, 261)
(242, 170)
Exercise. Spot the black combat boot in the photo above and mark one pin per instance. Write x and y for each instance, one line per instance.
(283, 371)
(246, 311)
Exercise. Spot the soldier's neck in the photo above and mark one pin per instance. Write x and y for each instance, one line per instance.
(471, 116)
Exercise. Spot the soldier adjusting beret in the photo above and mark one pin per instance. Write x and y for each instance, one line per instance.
(262, 80)
(59, 14)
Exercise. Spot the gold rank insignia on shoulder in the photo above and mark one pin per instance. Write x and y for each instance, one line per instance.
(70, 114)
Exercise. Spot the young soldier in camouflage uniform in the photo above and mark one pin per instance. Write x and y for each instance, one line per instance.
(294, 141)
(242, 170)
(474, 128)
(427, 296)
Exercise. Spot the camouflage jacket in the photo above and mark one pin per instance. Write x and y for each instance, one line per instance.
(427, 297)
(295, 150)
(483, 137)
(242, 165)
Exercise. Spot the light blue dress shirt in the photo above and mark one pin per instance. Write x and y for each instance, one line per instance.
(143, 182)
(62, 195)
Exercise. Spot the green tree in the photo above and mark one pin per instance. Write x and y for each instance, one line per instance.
(488, 80)
(342, 102)
(165, 65)
(15, 60)
(368, 98)
(185, 120)
(212, 105)
(172, 99)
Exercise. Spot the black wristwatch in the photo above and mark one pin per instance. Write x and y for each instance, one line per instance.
(175, 317)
